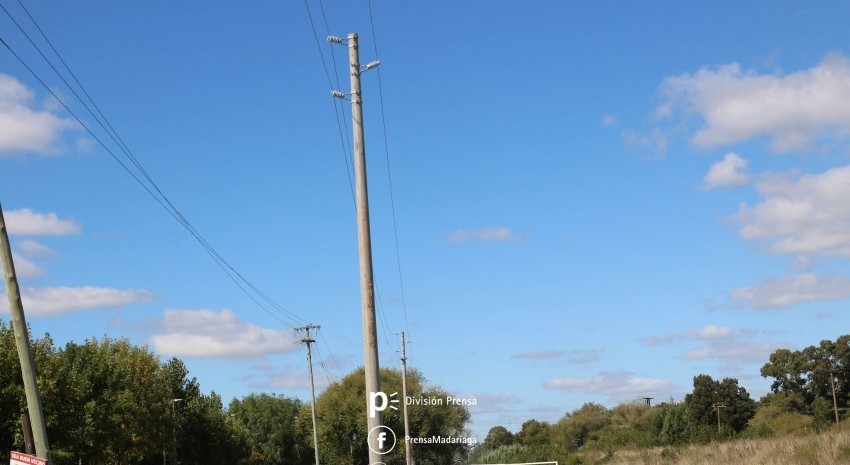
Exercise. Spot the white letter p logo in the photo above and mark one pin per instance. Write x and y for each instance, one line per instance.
(373, 407)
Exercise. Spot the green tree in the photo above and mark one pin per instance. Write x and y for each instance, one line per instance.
(275, 435)
(114, 402)
(580, 426)
(675, 424)
(209, 435)
(535, 433)
(808, 372)
(498, 436)
(737, 406)
(341, 412)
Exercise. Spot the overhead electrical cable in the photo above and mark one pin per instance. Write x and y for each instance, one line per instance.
(389, 173)
(344, 140)
(151, 187)
(379, 308)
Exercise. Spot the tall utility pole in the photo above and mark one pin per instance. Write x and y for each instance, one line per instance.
(22, 341)
(407, 444)
(364, 240)
(307, 340)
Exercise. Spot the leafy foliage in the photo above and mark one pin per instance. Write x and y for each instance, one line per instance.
(342, 421)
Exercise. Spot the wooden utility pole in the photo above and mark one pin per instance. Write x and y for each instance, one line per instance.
(307, 340)
(22, 341)
(407, 445)
(717, 407)
(364, 240)
(834, 400)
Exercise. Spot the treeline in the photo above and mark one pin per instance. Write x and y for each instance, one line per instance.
(109, 402)
(801, 400)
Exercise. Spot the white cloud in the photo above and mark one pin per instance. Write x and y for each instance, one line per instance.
(708, 332)
(26, 268)
(731, 171)
(609, 120)
(53, 301)
(25, 222)
(618, 385)
(792, 290)
(495, 234)
(808, 214)
(792, 110)
(26, 129)
(206, 333)
(738, 352)
(34, 248)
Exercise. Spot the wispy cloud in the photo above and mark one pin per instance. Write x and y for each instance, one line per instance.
(617, 385)
(54, 301)
(25, 222)
(207, 333)
(539, 355)
(578, 356)
(792, 290)
(737, 352)
(731, 171)
(34, 248)
(286, 377)
(708, 332)
(721, 343)
(26, 268)
(494, 234)
(792, 110)
(654, 141)
(24, 128)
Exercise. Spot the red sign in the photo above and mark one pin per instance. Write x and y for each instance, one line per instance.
(17, 458)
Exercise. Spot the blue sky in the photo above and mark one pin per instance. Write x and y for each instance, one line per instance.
(594, 201)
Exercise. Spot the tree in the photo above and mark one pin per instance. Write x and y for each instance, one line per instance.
(209, 435)
(273, 431)
(583, 424)
(498, 436)
(812, 372)
(535, 433)
(341, 412)
(113, 402)
(708, 394)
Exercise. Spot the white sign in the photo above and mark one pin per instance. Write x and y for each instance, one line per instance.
(17, 458)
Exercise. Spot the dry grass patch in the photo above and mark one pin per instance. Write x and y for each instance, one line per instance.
(830, 448)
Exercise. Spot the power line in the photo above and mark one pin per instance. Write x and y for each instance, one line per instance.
(389, 172)
(152, 186)
(380, 311)
(345, 141)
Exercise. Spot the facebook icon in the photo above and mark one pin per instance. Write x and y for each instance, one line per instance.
(381, 440)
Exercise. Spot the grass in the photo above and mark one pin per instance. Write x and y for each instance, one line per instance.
(830, 448)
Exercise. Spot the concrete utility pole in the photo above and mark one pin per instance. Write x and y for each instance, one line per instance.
(22, 341)
(307, 340)
(407, 445)
(364, 236)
